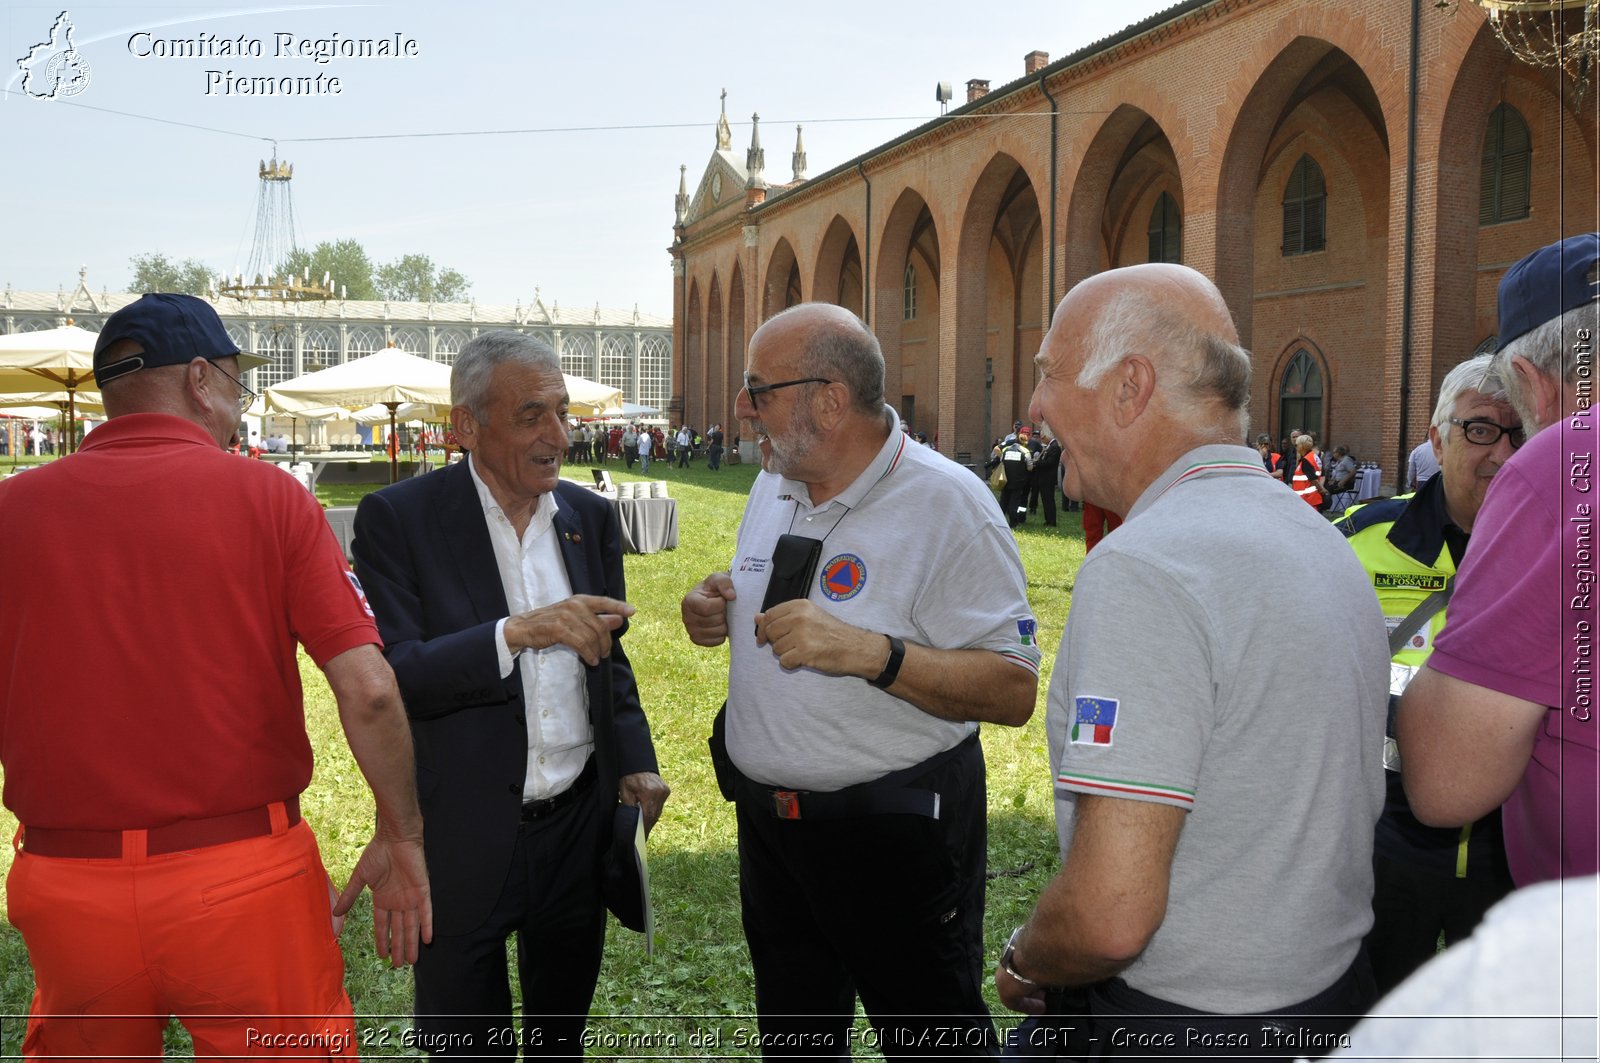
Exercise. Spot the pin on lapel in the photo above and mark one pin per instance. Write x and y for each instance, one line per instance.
(572, 537)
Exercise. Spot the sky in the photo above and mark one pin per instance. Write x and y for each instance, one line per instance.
(530, 145)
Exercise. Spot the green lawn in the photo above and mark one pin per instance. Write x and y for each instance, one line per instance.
(699, 981)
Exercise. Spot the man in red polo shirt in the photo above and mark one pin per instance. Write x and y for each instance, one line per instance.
(152, 731)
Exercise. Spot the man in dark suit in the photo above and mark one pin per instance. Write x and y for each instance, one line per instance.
(1042, 481)
(499, 594)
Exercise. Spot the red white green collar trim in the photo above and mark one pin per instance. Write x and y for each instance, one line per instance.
(1223, 464)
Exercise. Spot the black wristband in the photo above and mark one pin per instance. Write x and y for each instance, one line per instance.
(891, 667)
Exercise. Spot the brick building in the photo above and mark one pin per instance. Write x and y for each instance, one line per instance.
(1355, 177)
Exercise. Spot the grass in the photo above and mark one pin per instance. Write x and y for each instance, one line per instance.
(699, 984)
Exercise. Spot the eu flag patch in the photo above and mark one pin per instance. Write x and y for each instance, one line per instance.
(1093, 720)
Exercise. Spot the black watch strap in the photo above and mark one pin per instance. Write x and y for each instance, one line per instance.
(891, 667)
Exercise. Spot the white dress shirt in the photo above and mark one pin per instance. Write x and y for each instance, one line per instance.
(555, 691)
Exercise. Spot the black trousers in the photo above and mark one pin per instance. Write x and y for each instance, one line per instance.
(1412, 906)
(1014, 500)
(1043, 490)
(886, 906)
(551, 902)
(1111, 1020)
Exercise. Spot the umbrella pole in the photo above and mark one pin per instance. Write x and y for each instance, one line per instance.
(72, 420)
(394, 442)
(294, 440)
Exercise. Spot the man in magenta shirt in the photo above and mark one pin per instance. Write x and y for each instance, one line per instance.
(1504, 709)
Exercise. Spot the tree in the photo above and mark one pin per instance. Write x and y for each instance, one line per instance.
(345, 261)
(414, 278)
(154, 272)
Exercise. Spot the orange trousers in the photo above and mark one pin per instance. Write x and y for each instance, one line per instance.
(236, 940)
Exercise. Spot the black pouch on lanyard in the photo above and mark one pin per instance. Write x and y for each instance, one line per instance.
(794, 566)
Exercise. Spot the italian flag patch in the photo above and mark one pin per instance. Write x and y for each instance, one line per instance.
(1093, 721)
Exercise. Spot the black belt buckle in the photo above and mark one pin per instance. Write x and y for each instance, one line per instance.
(786, 804)
(543, 807)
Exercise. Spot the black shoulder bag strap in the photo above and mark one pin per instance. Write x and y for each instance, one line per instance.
(1424, 612)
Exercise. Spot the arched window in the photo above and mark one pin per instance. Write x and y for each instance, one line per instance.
(616, 351)
(1166, 231)
(577, 354)
(364, 339)
(447, 343)
(412, 341)
(655, 371)
(1300, 397)
(276, 341)
(1507, 157)
(319, 346)
(909, 305)
(1304, 209)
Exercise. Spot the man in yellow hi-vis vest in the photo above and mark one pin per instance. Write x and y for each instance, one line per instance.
(1431, 880)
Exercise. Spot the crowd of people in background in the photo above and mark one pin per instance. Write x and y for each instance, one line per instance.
(636, 443)
(1031, 458)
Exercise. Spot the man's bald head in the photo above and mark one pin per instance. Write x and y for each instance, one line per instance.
(833, 344)
(1174, 316)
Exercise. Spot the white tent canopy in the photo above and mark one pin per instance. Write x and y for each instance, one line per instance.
(57, 359)
(87, 403)
(586, 398)
(48, 360)
(406, 413)
(390, 375)
(394, 376)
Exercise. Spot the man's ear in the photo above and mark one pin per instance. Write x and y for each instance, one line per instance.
(1539, 387)
(1134, 381)
(1438, 443)
(463, 424)
(194, 381)
(832, 403)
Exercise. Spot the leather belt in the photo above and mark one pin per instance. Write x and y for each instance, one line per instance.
(547, 806)
(889, 795)
(176, 837)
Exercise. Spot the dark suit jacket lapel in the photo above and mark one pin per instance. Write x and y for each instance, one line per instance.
(574, 553)
(466, 535)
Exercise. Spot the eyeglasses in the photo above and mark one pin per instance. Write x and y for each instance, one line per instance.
(246, 396)
(1486, 433)
(756, 390)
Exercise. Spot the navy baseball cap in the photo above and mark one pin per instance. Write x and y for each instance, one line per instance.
(1547, 284)
(172, 329)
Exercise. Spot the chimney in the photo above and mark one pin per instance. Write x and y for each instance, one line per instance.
(977, 88)
(1035, 61)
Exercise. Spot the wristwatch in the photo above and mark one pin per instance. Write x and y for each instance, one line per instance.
(1008, 954)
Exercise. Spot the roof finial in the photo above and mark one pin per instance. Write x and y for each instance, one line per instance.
(755, 160)
(681, 203)
(799, 156)
(724, 131)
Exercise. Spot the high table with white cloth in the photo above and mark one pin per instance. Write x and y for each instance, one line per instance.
(648, 524)
(1367, 481)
